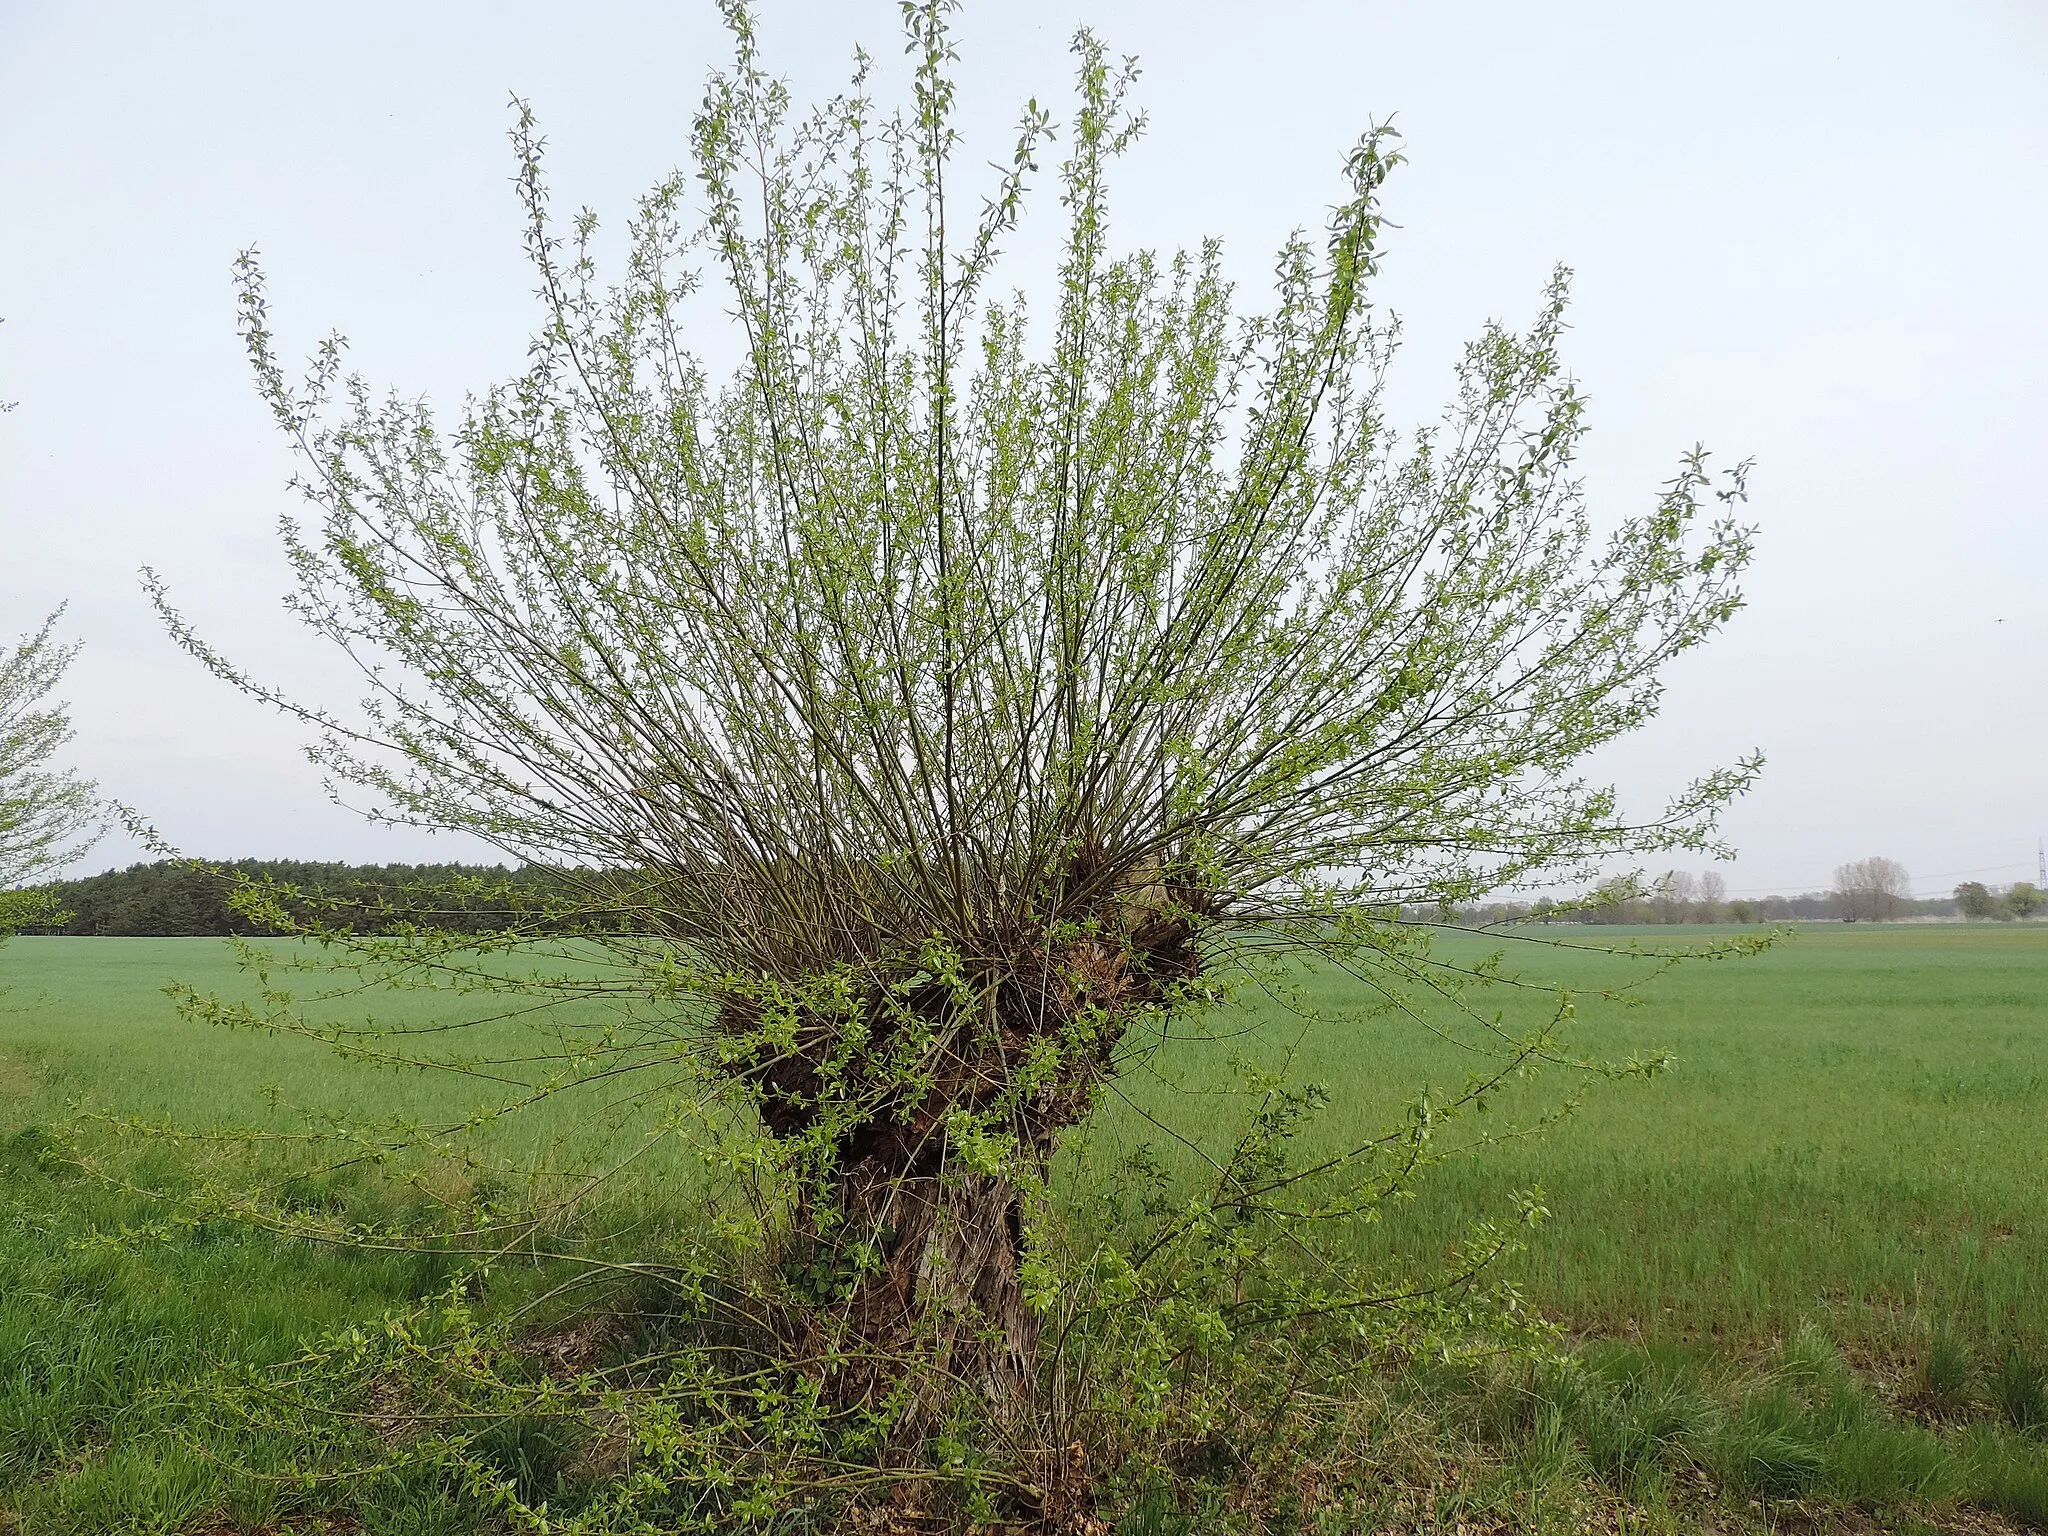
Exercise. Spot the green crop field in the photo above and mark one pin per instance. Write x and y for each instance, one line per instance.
(1849, 1147)
(1854, 1132)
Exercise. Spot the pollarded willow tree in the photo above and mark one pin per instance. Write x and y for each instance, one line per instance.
(947, 695)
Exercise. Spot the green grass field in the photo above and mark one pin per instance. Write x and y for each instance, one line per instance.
(1849, 1147)
(1853, 1133)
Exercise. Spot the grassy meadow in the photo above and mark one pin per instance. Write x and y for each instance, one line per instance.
(1832, 1203)
(1852, 1133)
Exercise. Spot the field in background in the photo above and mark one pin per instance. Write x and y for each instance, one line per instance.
(1852, 1138)
(87, 1023)
(1853, 1131)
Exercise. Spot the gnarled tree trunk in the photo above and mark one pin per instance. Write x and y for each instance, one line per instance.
(947, 1297)
(927, 1252)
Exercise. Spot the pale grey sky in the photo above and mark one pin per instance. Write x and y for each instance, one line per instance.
(1814, 234)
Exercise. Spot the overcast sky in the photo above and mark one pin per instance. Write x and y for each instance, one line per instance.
(1812, 234)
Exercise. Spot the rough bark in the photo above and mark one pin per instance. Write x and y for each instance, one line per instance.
(932, 1251)
(948, 1295)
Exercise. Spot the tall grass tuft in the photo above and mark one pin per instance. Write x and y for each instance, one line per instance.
(2020, 1388)
(1947, 1374)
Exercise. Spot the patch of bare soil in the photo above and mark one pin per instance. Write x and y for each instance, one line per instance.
(570, 1351)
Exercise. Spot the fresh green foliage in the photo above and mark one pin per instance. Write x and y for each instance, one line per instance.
(47, 818)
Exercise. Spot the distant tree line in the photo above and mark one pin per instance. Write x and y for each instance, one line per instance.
(1868, 890)
(2000, 903)
(1874, 890)
(189, 899)
(1605, 905)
